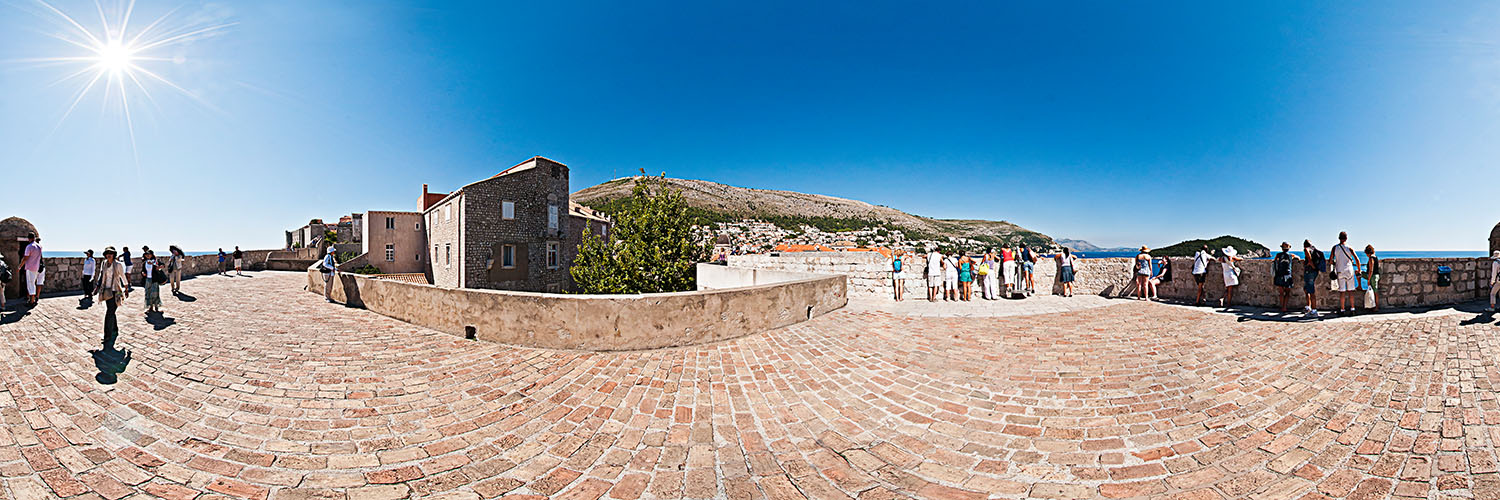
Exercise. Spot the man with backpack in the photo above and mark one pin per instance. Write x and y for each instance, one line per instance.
(1346, 267)
(1200, 270)
(1312, 265)
(330, 267)
(1281, 273)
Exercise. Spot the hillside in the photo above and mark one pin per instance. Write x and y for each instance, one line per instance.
(1247, 248)
(1084, 246)
(716, 202)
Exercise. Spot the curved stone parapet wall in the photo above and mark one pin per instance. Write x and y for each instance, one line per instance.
(596, 322)
(1404, 282)
(65, 274)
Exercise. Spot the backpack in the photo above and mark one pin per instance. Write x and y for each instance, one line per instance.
(1319, 262)
(898, 265)
(1283, 264)
(158, 277)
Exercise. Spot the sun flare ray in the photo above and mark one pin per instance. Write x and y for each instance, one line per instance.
(114, 58)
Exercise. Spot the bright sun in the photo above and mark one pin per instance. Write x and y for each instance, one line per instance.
(115, 56)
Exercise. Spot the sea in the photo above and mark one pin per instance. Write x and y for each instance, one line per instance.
(134, 252)
(1384, 254)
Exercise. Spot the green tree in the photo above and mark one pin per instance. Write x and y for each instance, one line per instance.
(651, 246)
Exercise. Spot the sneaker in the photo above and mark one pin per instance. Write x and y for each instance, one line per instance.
(1312, 313)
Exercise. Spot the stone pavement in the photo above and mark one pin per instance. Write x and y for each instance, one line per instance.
(259, 390)
(980, 308)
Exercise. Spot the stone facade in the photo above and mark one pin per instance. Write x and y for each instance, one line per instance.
(402, 233)
(13, 241)
(1495, 239)
(469, 233)
(1404, 282)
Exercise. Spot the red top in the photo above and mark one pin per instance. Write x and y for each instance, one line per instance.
(1006, 255)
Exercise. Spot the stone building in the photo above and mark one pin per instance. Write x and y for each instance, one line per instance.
(1495, 239)
(395, 242)
(516, 230)
(349, 230)
(13, 241)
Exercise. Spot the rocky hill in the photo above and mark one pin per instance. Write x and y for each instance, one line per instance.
(718, 202)
(1246, 248)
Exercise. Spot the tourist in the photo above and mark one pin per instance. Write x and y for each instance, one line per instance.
(950, 276)
(1346, 265)
(1065, 268)
(898, 280)
(125, 259)
(330, 267)
(1372, 275)
(223, 267)
(150, 271)
(85, 280)
(1018, 253)
(1313, 264)
(965, 278)
(1163, 275)
(1281, 273)
(31, 261)
(1231, 274)
(112, 289)
(5, 277)
(1028, 267)
(989, 271)
(1200, 270)
(174, 268)
(934, 275)
(1143, 274)
(239, 258)
(1494, 279)
(1008, 265)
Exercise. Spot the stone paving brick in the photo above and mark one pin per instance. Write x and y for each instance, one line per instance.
(259, 390)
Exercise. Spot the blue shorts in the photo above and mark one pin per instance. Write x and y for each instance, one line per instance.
(1028, 267)
(1310, 283)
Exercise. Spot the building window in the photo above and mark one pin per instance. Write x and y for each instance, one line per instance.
(552, 255)
(417, 257)
(390, 253)
(390, 222)
(507, 210)
(447, 214)
(418, 225)
(507, 256)
(448, 254)
(552, 217)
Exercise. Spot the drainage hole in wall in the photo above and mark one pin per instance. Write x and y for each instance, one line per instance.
(469, 332)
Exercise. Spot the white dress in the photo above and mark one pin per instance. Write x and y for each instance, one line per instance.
(1231, 274)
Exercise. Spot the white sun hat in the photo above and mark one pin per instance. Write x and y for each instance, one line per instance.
(1230, 251)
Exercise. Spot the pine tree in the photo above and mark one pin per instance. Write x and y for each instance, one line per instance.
(651, 249)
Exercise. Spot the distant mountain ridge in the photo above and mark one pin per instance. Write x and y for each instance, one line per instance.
(722, 203)
(1084, 246)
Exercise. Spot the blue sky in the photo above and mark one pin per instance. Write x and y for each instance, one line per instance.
(1118, 123)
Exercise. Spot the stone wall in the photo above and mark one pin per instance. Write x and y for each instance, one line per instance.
(64, 274)
(1404, 282)
(594, 322)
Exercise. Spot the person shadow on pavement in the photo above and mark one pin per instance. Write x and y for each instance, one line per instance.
(110, 363)
(13, 315)
(183, 297)
(160, 321)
